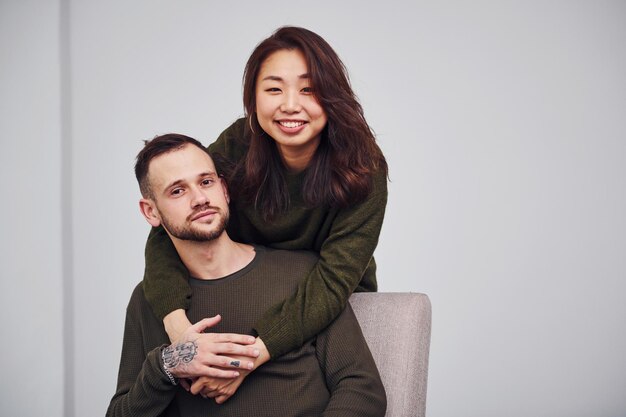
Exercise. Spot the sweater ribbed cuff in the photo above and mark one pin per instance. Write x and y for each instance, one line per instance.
(279, 336)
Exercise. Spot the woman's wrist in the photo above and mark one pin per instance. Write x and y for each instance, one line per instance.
(264, 354)
(176, 323)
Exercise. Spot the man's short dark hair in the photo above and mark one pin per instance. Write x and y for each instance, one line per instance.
(155, 147)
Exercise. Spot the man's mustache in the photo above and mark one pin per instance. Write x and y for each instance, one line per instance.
(202, 208)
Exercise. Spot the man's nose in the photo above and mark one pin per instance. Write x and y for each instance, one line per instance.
(198, 197)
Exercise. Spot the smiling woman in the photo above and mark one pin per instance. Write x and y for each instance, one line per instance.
(304, 173)
(287, 109)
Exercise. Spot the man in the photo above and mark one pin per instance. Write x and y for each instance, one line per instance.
(331, 375)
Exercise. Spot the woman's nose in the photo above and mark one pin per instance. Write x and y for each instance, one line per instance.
(291, 102)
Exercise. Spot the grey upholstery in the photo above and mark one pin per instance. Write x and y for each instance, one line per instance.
(397, 329)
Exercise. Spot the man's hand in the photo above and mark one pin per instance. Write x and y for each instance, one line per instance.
(222, 389)
(197, 354)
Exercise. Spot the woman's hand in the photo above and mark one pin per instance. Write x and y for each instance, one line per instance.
(219, 388)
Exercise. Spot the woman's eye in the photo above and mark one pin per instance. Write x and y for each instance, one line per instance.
(273, 90)
(307, 90)
(207, 181)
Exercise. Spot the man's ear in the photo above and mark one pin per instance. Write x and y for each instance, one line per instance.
(225, 189)
(149, 211)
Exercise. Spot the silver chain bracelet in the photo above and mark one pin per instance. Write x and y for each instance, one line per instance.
(173, 380)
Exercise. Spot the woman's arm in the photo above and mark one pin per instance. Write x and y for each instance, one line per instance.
(166, 278)
(345, 257)
(165, 281)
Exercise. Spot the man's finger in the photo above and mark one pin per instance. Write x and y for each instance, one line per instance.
(212, 394)
(231, 349)
(227, 362)
(199, 387)
(221, 399)
(205, 323)
(242, 339)
(220, 373)
(184, 382)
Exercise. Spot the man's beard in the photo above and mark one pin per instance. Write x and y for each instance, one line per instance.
(186, 232)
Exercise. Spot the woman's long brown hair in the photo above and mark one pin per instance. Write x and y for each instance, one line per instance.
(340, 173)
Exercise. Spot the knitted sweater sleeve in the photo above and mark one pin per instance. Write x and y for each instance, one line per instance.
(143, 389)
(350, 371)
(345, 257)
(165, 280)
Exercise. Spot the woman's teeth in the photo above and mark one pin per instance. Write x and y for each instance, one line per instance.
(291, 124)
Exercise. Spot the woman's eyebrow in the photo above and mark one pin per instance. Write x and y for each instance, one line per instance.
(277, 78)
(272, 78)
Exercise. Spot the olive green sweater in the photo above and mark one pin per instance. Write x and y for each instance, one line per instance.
(333, 374)
(344, 238)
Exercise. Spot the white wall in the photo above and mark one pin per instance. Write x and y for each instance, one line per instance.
(503, 124)
(31, 283)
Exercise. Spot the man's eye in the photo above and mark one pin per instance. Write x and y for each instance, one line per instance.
(177, 191)
(207, 181)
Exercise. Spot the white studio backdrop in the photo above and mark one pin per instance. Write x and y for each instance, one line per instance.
(31, 281)
(504, 127)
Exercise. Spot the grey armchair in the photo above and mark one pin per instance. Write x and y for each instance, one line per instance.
(397, 329)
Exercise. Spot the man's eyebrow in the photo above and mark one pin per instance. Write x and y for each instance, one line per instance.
(207, 174)
(172, 184)
(180, 181)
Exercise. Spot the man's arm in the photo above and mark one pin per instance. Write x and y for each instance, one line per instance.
(144, 388)
(351, 374)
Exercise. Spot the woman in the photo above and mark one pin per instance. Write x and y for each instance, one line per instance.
(304, 172)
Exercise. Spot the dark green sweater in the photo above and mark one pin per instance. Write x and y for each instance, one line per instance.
(344, 238)
(331, 375)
